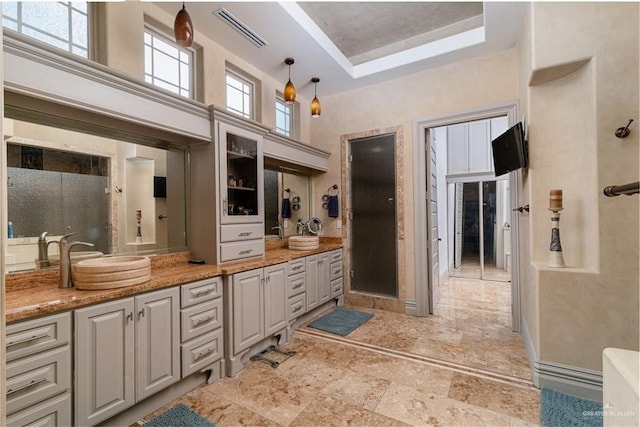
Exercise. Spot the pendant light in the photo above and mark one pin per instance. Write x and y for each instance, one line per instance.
(183, 28)
(315, 104)
(289, 89)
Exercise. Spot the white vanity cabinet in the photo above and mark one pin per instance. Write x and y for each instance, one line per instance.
(125, 351)
(38, 371)
(335, 275)
(318, 283)
(257, 308)
(201, 319)
(296, 288)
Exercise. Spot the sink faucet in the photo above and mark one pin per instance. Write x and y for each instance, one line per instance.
(65, 260)
(43, 250)
(280, 231)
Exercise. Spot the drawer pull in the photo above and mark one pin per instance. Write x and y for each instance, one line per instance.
(204, 353)
(32, 383)
(203, 320)
(203, 292)
(245, 233)
(26, 339)
(245, 252)
(298, 286)
(297, 309)
(297, 267)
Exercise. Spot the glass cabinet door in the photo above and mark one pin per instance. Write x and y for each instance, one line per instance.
(241, 175)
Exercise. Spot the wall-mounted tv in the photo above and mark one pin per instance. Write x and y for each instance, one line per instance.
(510, 150)
(160, 187)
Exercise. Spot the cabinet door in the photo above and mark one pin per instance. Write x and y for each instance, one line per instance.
(312, 282)
(157, 341)
(324, 279)
(275, 298)
(241, 175)
(248, 309)
(104, 360)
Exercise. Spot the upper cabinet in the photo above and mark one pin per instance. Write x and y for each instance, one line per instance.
(241, 175)
(469, 146)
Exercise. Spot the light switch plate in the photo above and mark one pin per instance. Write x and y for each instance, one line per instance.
(338, 224)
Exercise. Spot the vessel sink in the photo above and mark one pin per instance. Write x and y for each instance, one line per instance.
(111, 272)
(54, 259)
(304, 243)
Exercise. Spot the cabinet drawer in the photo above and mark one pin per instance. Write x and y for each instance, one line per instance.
(336, 270)
(200, 291)
(239, 250)
(53, 412)
(297, 306)
(35, 378)
(296, 284)
(336, 287)
(33, 336)
(235, 232)
(296, 266)
(201, 352)
(200, 318)
(335, 255)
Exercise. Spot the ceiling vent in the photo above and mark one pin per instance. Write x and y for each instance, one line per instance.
(234, 22)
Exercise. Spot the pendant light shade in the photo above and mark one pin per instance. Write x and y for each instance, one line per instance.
(315, 104)
(289, 89)
(183, 28)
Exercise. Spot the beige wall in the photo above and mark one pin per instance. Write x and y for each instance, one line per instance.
(593, 303)
(462, 86)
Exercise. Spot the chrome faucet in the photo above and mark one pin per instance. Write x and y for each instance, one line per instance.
(43, 250)
(65, 260)
(280, 231)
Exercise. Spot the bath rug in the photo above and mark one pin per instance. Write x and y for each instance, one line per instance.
(179, 416)
(341, 321)
(563, 410)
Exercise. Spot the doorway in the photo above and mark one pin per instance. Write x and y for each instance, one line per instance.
(423, 220)
(373, 216)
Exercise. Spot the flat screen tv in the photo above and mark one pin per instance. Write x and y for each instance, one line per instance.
(510, 150)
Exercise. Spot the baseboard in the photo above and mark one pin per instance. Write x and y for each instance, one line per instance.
(410, 307)
(572, 380)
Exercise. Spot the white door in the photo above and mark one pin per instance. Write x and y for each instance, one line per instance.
(432, 210)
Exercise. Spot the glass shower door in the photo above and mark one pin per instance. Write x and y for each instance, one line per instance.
(374, 222)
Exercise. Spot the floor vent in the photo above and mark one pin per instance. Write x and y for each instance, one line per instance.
(234, 22)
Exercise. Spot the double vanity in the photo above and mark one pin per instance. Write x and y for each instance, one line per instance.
(114, 355)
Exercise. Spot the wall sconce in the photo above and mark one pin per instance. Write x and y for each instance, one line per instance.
(315, 104)
(289, 89)
(183, 28)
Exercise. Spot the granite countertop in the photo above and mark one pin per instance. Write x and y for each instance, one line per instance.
(29, 295)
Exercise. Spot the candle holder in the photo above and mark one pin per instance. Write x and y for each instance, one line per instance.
(556, 258)
(138, 226)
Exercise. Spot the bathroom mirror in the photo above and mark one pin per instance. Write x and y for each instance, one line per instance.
(276, 182)
(62, 181)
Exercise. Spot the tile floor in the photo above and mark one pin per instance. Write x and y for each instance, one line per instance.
(461, 366)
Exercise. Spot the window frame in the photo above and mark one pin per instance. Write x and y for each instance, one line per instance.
(252, 95)
(155, 33)
(90, 21)
(290, 114)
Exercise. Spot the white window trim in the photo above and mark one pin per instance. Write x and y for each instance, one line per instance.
(249, 82)
(192, 59)
(292, 111)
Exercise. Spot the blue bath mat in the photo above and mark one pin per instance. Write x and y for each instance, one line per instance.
(341, 321)
(179, 416)
(563, 410)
